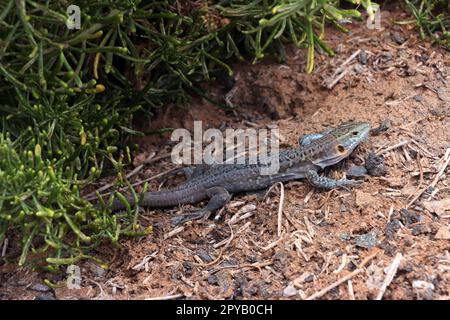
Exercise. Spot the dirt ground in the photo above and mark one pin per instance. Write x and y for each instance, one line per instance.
(388, 238)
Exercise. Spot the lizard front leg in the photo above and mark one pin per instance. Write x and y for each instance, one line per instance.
(218, 198)
(318, 181)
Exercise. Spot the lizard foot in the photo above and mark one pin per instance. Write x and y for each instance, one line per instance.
(183, 218)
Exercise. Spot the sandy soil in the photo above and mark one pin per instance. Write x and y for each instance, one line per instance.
(371, 241)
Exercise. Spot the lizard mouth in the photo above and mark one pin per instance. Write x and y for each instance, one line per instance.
(326, 162)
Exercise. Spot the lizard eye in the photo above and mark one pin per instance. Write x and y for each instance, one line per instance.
(341, 148)
(355, 133)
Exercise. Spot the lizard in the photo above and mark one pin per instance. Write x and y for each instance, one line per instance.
(220, 181)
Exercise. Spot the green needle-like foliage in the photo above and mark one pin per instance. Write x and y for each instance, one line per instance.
(432, 17)
(67, 97)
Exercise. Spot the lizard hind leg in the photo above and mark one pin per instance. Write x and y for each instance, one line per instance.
(218, 198)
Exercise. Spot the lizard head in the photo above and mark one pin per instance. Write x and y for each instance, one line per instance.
(341, 142)
(350, 135)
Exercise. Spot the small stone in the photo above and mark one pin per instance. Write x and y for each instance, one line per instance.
(391, 229)
(418, 98)
(356, 172)
(358, 69)
(98, 271)
(397, 38)
(384, 126)
(386, 56)
(309, 278)
(40, 287)
(409, 217)
(289, 291)
(344, 236)
(212, 279)
(423, 289)
(420, 229)
(375, 165)
(367, 240)
(423, 58)
(204, 255)
(45, 296)
(362, 57)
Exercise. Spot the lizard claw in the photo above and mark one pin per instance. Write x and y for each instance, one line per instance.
(183, 218)
(345, 184)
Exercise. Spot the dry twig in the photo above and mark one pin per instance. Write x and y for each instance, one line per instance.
(390, 275)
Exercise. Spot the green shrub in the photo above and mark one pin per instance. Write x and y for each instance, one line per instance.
(432, 17)
(67, 97)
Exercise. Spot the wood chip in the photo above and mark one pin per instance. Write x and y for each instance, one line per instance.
(437, 206)
(443, 233)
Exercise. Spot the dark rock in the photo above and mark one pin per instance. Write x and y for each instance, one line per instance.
(409, 217)
(384, 126)
(344, 236)
(309, 278)
(240, 285)
(362, 57)
(251, 259)
(388, 248)
(420, 229)
(418, 98)
(423, 58)
(407, 268)
(375, 165)
(45, 296)
(356, 172)
(187, 269)
(40, 287)
(386, 56)
(367, 240)
(204, 255)
(212, 279)
(397, 38)
(391, 229)
(280, 261)
(351, 266)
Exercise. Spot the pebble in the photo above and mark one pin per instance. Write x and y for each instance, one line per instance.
(362, 57)
(423, 289)
(356, 172)
(204, 255)
(409, 217)
(45, 296)
(375, 165)
(391, 229)
(40, 287)
(367, 240)
(344, 236)
(212, 279)
(98, 271)
(290, 291)
(397, 38)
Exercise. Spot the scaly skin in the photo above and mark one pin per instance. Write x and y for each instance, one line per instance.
(218, 182)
